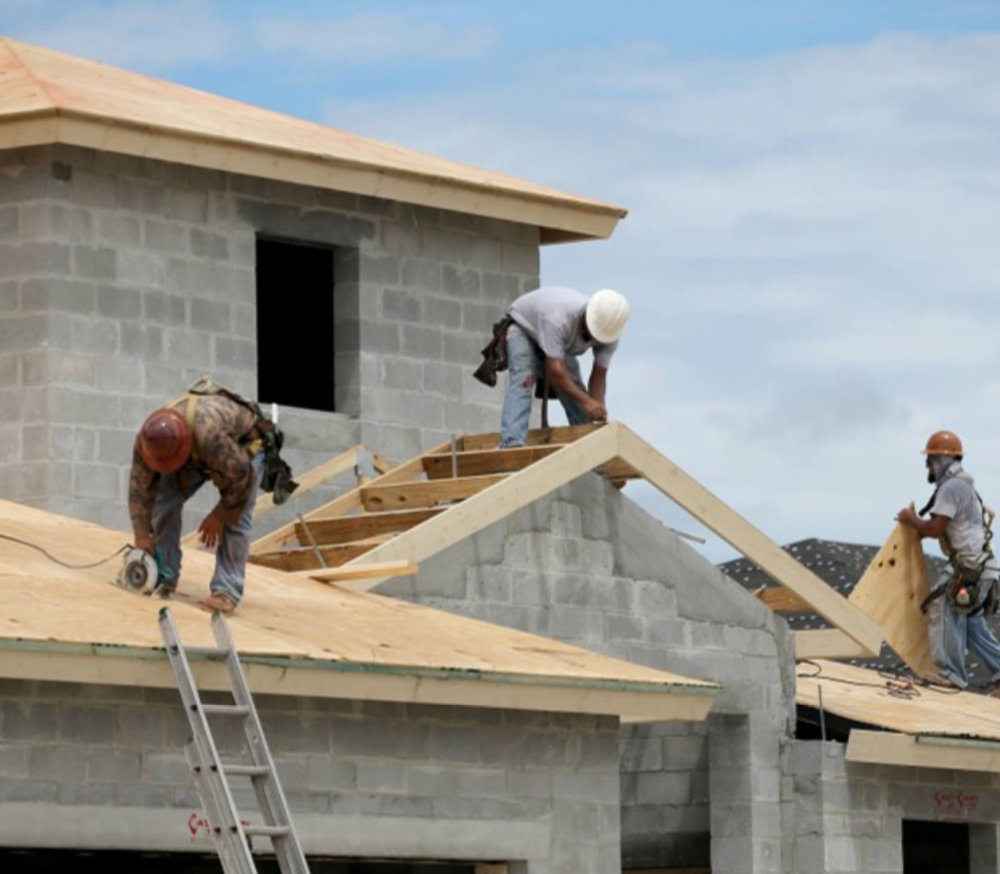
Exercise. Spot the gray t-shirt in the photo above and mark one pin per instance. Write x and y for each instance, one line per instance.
(957, 500)
(551, 317)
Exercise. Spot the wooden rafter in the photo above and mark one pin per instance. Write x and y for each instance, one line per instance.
(521, 476)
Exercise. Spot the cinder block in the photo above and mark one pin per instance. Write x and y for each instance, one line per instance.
(57, 763)
(83, 725)
(113, 766)
(92, 262)
(28, 720)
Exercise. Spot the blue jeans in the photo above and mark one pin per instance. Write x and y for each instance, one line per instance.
(234, 545)
(952, 633)
(526, 365)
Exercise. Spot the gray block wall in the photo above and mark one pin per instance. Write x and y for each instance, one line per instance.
(122, 280)
(590, 567)
(848, 817)
(103, 767)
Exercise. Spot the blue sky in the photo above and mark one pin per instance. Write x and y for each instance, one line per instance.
(813, 192)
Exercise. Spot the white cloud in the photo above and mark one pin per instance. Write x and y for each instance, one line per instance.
(374, 39)
(147, 35)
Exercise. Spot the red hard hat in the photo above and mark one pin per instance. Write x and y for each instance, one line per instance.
(165, 441)
(943, 443)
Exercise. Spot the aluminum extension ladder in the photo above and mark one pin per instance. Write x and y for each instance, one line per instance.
(230, 833)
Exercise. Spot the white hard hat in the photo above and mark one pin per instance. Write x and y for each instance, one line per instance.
(607, 315)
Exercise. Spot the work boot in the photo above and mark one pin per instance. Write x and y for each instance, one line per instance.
(218, 602)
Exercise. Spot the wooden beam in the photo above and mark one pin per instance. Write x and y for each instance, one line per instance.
(379, 569)
(344, 504)
(478, 462)
(428, 493)
(304, 557)
(498, 501)
(751, 542)
(535, 437)
(891, 592)
(348, 529)
(920, 751)
(781, 599)
(827, 643)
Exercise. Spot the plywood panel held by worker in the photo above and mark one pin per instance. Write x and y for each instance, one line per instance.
(891, 592)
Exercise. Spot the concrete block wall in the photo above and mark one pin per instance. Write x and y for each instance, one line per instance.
(540, 791)
(122, 280)
(590, 567)
(848, 817)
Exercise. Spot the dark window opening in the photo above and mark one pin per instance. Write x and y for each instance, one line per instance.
(936, 847)
(126, 862)
(295, 322)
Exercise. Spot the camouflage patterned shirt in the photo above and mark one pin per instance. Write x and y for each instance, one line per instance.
(222, 445)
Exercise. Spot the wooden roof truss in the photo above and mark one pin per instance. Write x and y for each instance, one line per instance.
(390, 524)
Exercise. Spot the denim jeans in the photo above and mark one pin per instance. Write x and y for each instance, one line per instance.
(234, 545)
(526, 365)
(952, 633)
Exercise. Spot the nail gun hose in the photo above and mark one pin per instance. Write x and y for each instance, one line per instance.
(51, 557)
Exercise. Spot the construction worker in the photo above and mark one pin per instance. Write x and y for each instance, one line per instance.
(550, 327)
(964, 593)
(180, 446)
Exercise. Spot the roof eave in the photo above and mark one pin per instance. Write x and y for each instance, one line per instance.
(559, 219)
(630, 701)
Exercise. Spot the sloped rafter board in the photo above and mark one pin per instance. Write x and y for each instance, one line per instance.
(891, 592)
(607, 447)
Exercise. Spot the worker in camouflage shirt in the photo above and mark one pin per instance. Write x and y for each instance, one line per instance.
(179, 447)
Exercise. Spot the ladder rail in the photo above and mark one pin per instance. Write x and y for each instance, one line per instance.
(230, 834)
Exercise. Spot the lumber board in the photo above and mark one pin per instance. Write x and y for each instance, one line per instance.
(485, 461)
(888, 748)
(826, 643)
(346, 529)
(749, 540)
(362, 571)
(515, 491)
(427, 493)
(535, 437)
(346, 503)
(781, 599)
(304, 557)
(891, 591)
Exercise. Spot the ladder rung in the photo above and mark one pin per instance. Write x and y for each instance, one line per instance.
(246, 770)
(267, 831)
(209, 652)
(226, 709)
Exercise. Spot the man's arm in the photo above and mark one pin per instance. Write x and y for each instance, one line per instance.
(559, 378)
(598, 383)
(933, 527)
(142, 485)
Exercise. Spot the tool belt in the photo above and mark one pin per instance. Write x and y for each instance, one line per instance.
(962, 589)
(494, 354)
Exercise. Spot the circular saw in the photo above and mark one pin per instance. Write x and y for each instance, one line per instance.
(139, 573)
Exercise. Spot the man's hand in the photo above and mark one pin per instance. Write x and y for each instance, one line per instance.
(210, 532)
(908, 516)
(595, 410)
(146, 543)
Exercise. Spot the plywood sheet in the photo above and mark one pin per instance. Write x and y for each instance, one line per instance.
(282, 615)
(867, 696)
(891, 592)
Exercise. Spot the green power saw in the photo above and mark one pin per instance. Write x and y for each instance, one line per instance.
(144, 573)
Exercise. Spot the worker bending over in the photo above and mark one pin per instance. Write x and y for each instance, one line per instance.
(965, 592)
(179, 447)
(549, 329)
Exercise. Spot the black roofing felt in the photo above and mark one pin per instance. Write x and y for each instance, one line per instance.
(840, 565)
